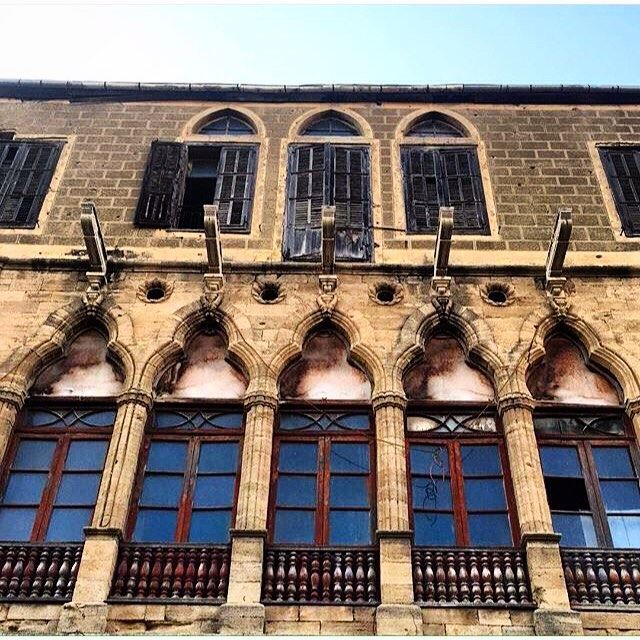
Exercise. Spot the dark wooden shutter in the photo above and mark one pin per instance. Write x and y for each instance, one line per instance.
(622, 166)
(26, 169)
(234, 188)
(421, 188)
(352, 201)
(306, 193)
(462, 188)
(163, 185)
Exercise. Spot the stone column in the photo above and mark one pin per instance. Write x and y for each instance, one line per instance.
(243, 613)
(112, 507)
(397, 614)
(11, 402)
(541, 544)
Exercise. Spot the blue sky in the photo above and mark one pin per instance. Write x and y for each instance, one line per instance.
(300, 44)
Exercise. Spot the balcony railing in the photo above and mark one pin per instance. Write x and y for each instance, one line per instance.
(321, 576)
(171, 572)
(601, 577)
(473, 577)
(38, 572)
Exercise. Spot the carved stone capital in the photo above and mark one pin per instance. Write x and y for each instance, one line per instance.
(632, 407)
(248, 533)
(389, 399)
(388, 534)
(13, 396)
(136, 396)
(264, 398)
(441, 294)
(515, 400)
(103, 532)
(544, 538)
(328, 297)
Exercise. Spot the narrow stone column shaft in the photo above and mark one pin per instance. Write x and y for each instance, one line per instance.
(10, 404)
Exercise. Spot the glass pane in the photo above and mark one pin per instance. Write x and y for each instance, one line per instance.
(484, 495)
(211, 527)
(218, 457)
(297, 491)
(431, 493)
(577, 531)
(78, 488)
(167, 456)
(349, 527)
(86, 455)
(621, 495)
(155, 526)
(430, 460)
(294, 526)
(625, 531)
(99, 418)
(25, 488)
(349, 491)
(490, 529)
(434, 529)
(161, 491)
(357, 421)
(612, 462)
(16, 524)
(298, 456)
(560, 461)
(350, 457)
(480, 460)
(214, 491)
(68, 524)
(34, 454)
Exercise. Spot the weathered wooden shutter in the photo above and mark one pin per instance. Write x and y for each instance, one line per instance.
(421, 187)
(462, 188)
(352, 201)
(623, 170)
(26, 169)
(234, 187)
(163, 185)
(306, 193)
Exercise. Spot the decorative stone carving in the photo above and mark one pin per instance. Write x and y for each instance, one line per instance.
(267, 290)
(154, 291)
(498, 294)
(386, 293)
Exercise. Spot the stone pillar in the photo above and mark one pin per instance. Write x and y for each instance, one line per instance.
(397, 614)
(112, 507)
(11, 402)
(540, 543)
(243, 614)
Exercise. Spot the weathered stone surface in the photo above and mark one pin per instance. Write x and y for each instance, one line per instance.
(398, 620)
(83, 618)
(333, 613)
(238, 619)
(557, 623)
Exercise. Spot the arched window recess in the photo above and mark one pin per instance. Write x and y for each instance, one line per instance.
(227, 123)
(330, 124)
(434, 125)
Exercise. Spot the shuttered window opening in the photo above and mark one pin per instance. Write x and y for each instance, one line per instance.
(437, 177)
(325, 174)
(180, 179)
(622, 166)
(26, 169)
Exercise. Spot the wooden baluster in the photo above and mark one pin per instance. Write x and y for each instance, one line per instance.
(452, 578)
(463, 576)
(213, 575)
(614, 579)
(201, 574)
(64, 574)
(441, 588)
(418, 587)
(167, 574)
(592, 581)
(474, 575)
(267, 591)
(52, 574)
(337, 578)
(40, 574)
(372, 578)
(326, 577)
(178, 575)
(485, 578)
(509, 579)
(603, 580)
(132, 580)
(570, 581)
(360, 578)
(429, 578)
(145, 570)
(348, 577)
(280, 576)
(635, 577)
(28, 574)
(498, 578)
(156, 574)
(16, 576)
(303, 577)
(7, 572)
(315, 577)
(71, 583)
(580, 578)
(292, 577)
(524, 597)
(224, 575)
(625, 579)
(190, 574)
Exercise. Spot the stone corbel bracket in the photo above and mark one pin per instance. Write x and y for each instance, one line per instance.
(213, 280)
(328, 281)
(97, 252)
(441, 281)
(554, 280)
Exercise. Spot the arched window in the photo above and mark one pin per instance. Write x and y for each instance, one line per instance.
(229, 123)
(187, 480)
(55, 461)
(330, 124)
(324, 453)
(433, 126)
(459, 488)
(588, 453)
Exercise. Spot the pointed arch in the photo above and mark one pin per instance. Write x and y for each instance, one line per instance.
(452, 118)
(300, 124)
(195, 124)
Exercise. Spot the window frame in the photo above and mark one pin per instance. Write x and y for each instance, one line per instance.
(322, 506)
(63, 437)
(583, 444)
(194, 439)
(453, 442)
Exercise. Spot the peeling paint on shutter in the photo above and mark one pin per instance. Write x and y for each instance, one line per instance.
(234, 188)
(26, 169)
(622, 166)
(163, 185)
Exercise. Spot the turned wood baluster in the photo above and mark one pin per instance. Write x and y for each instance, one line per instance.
(213, 575)
(418, 588)
(360, 578)
(145, 570)
(509, 579)
(280, 577)
(121, 574)
(498, 578)
(315, 577)
(614, 579)
(372, 579)
(326, 577)
(16, 576)
(201, 574)
(64, 573)
(348, 577)
(190, 574)
(581, 580)
(224, 575)
(429, 578)
(592, 582)
(441, 589)
(625, 580)
(474, 575)
(521, 579)
(337, 578)
(303, 577)
(452, 578)
(292, 577)
(569, 579)
(463, 576)
(603, 580)
(485, 578)
(167, 575)
(635, 577)
(71, 583)
(7, 571)
(133, 574)
(41, 573)
(28, 574)
(52, 574)
(178, 575)
(156, 575)
(268, 577)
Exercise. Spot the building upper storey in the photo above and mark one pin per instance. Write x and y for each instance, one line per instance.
(386, 157)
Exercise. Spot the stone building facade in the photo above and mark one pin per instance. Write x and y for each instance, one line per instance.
(307, 445)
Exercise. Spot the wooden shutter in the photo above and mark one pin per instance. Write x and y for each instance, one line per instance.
(421, 188)
(306, 193)
(26, 169)
(163, 185)
(352, 201)
(622, 166)
(462, 189)
(234, 187)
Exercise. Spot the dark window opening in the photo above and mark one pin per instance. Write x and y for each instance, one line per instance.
(622, 166)
(437, 177)
(566, 494)
(200, 185)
